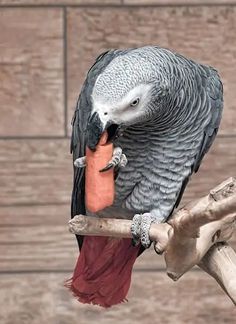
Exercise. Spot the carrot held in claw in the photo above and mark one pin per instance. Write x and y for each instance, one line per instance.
(99, 186)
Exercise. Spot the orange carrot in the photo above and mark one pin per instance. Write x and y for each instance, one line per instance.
(99, 186)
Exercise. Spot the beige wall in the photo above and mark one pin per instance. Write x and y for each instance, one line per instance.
(46, 47)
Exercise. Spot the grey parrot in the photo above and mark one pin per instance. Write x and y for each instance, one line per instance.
(162, 111)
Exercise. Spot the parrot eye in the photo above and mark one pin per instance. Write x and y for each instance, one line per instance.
(135, 102)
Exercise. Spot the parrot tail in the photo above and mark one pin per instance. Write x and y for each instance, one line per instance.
(102, 274)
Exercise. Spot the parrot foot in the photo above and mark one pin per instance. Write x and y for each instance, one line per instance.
(118, 160)
(80, 162)
(140, 227)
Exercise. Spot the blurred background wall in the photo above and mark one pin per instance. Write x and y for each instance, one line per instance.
(46, 47)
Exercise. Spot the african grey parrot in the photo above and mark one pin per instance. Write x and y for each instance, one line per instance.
(162, 112)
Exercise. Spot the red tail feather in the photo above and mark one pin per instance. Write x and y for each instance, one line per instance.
(102, 274)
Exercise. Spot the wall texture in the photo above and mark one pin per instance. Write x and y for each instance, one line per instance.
(46, 47)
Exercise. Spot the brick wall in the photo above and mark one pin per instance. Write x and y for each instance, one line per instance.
(46, 47)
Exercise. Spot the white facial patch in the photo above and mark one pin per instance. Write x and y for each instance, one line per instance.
(141, 91)
(103, 110)
(122, 111)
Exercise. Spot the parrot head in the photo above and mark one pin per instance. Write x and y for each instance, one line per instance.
(124, 94)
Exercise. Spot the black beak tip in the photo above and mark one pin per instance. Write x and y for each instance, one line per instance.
(92, 147)
(95, 130)
(93, 141)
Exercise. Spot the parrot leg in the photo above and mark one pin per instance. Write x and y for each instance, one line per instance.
(141, 224)
(80, 162)
(118, 160)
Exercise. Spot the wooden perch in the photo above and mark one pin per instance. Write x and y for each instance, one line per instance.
(189, 238)
(220, 263)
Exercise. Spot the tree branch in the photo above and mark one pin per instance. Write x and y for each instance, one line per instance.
(190, 233)
(220, 263)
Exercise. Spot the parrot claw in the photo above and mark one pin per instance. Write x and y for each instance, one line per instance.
(107, 167)
(118, 160)
(80, 162)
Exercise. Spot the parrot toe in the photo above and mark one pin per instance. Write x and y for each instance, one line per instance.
(145, 227)
(135, 229)
(80, 162)
(123, 161)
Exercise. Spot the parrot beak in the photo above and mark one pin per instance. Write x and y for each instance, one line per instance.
(96, 128)
(94, 131)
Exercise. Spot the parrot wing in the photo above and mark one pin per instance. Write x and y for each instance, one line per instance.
(210, 90)
(79, 127)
